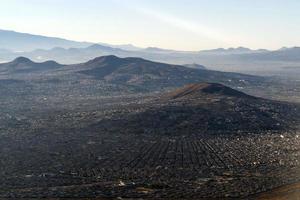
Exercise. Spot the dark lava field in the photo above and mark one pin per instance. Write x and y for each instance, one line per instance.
(135, 129)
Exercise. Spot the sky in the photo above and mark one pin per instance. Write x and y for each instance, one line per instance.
(169, 24)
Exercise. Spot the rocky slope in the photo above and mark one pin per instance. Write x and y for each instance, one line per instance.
(206, 107)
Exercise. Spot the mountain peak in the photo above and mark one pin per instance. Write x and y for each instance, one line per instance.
(25, 65)
(195, 66)
(242, 49)
(102, 59)
(156, 49)
(200, 89)
(22, 60)
(100, 47)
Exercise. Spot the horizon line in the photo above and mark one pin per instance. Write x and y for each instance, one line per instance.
(142, 47)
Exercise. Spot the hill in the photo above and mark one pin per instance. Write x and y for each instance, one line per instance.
(206, 107)
(154, 75)
(198, 90)
(25, 65)
(111, 75)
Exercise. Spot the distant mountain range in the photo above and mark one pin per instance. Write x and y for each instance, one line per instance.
(16, 41)
(239, 50)
(241, 59)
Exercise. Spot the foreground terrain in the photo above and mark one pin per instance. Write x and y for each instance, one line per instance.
(291, 192)
(69, 154)
(95, 164)
(108, 128)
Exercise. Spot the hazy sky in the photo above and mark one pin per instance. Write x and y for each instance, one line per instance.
(174, 24)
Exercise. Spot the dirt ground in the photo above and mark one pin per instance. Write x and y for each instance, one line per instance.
(288, 192)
